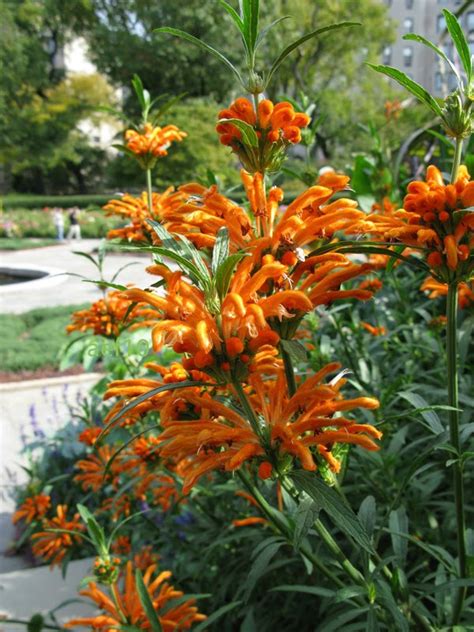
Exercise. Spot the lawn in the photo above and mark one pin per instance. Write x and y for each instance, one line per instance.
(32, 340)
(18, 243)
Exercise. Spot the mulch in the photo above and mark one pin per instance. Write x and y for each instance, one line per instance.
(38, 374)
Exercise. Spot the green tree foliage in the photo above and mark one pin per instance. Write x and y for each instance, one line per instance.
(123, 44)
(40, 108)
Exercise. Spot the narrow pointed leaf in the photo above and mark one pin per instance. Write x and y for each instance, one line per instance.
(297, 43)
(147, 603)
(194, 40)
(221, 249)
(233, 14)
(264, 32)
(460, 42)
(216, 615)
(416, 90)
(327, 499)
(138, 87)
(422, 40)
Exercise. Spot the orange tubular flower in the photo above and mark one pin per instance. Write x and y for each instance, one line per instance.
(432, 219)
(375, 331)
(125, 607)
(107, 317)
(32, 509)
(53, 546)
(302, 427)
(152, 143)
(93, 468)
(437, 289)
(275, 127)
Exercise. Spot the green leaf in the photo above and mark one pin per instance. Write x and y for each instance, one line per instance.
(250, 13)
(416, 90)
(331, 502)
(367, 514)
(264, 32)
(391, 263)
(422, 405)
(260, 565)
(297, 43)
(234, 15)
(385, 597)
(95, 530)
(139, 91)
(147, 603)
(194, 40)
(220, 251)
(398, 523)
(302, 588)
(422, 40)
(460, 42)
(249, 136)
(305, 516)
(36, 623)
(216, 615)
(295, 350)
(225, 271)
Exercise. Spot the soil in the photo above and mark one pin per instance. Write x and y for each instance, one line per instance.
(46, 371)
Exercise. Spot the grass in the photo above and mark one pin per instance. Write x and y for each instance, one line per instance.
(18, 243)
(32, 340)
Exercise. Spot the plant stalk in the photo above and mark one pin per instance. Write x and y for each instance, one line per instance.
(149, 189)
(453, 402)
(457, 159)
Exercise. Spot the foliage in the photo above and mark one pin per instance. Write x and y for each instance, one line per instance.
(14, 243)
(33, 340)
(25, 201)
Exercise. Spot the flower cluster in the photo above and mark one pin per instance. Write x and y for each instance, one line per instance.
(152, 142)
(107, 317)
(124, 608)
(53, 543)
(267, 131)
(437, 289)
(435, 218)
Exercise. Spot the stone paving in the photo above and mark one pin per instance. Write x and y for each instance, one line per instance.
(33, 408)
(61, 289)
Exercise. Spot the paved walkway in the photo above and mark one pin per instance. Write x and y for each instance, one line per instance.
(62, 289)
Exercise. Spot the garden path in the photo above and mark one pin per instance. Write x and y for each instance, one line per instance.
(66, 290)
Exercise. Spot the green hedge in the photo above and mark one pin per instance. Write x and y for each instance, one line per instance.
(15, 201)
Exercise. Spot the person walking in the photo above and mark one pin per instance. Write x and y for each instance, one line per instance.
(58, 220)
(74, 228)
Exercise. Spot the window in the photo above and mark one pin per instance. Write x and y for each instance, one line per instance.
(387, 55)
(440, 23)
(407, 56)
(470, 21)
(408, 25)
(409, 4)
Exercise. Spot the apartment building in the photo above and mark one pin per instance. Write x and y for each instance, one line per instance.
(425, 17)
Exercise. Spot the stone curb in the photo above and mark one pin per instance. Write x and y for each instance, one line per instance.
(49, 381)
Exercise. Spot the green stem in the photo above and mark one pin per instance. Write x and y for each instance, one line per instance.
(453, 402)
(149, 189)
(289, 372)
(267, 509)
(247, 407)
(457, 159)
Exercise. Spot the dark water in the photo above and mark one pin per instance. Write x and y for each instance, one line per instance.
(8, 279)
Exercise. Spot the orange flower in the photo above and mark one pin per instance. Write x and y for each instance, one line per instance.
(89, 435)
(152, 143)
(433, 220)
(437, 289)
(218, 437)
(375, 331)
(275, 127)
(32, 509)
(93, 468)
(122, 545)
(107, 317)
(125, 607)
(53, 546)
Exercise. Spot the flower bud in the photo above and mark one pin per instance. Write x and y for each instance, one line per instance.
(457, 120)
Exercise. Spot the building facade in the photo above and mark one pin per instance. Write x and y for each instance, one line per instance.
(425, 17)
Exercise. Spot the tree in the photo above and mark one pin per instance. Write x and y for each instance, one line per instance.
(122, 44)
(40, 108)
